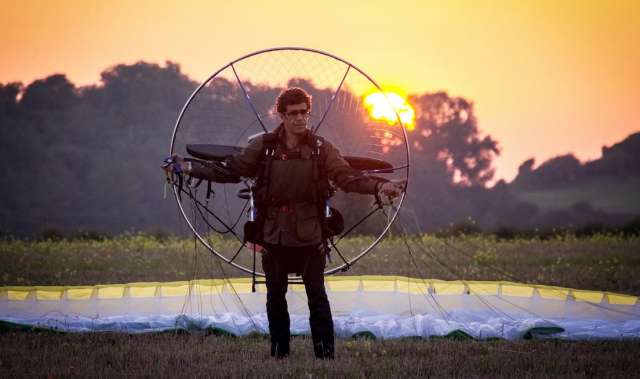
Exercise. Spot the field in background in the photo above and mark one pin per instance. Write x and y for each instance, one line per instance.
(599, 262)
(602, 262)
(615, 195)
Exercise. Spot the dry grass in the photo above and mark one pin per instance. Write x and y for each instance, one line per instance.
(110, 355)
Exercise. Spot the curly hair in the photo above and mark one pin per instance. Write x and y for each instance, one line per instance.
(290, 96)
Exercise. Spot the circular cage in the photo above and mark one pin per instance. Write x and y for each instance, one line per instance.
(237, 102)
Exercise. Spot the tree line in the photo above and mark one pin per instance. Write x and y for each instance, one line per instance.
(86, 159)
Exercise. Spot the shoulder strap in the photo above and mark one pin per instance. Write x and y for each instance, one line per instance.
(330, 218)
(316, 153)
(269, 145)
(320, 175)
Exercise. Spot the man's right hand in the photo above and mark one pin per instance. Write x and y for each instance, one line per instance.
(174, 163)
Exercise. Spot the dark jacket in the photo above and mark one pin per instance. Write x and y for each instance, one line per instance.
(292, 218)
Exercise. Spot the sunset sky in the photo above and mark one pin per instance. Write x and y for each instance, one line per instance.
(546, 77)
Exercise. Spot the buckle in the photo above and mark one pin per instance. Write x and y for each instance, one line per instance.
(284, 157)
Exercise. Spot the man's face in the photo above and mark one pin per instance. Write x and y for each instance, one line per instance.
(295, 119)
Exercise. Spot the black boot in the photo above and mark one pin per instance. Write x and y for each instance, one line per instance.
(280, 349)
(323, 350)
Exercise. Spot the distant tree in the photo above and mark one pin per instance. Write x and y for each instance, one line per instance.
(526, 167)
(447, 135)
(68, 146)
(87, 157)
(9, 98)
(144, 83)
(53, 93)
(559, 171)
(622, 159)
(451, 161)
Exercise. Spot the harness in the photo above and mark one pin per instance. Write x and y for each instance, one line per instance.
(320, 195)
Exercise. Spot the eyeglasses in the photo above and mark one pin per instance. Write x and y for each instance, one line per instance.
(301, 112)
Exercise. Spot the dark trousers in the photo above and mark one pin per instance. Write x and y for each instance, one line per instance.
(310, 262)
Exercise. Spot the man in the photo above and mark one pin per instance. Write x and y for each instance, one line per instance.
(293, 167)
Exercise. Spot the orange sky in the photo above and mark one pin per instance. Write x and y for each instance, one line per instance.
(547, 77)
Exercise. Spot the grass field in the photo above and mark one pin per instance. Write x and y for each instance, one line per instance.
(602, 262)
(599, 262)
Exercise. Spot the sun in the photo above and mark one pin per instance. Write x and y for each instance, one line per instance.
(388, 106)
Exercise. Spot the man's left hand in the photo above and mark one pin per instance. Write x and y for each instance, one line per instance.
(392, 188)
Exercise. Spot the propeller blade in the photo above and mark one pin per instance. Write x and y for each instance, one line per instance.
(369, 164)
(218, 153)
(212, 152)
